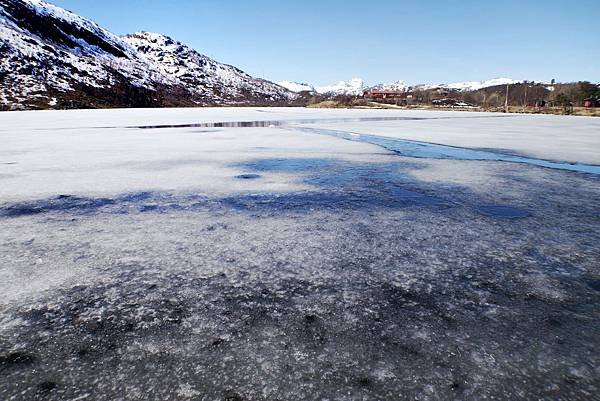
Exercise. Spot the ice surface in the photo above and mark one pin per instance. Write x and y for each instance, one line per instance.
(557, 138)
(98, 162)
(427, 150)
(268, 263)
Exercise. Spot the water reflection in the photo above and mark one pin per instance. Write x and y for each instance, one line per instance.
(401, 146)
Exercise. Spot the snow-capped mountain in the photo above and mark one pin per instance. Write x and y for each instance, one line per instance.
(353, 87)
(356, 86)
(296, 87)
(46, 51)
(394, 86)
(50, 57)
(476, 85)
(457, 86)
(207, 79)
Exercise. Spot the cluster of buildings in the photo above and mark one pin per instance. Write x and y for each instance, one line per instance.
(438, 97)
(375, 94)
(591, 102)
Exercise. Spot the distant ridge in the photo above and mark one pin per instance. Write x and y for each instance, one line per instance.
(356, 86)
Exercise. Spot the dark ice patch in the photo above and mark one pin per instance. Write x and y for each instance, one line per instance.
(59, 203)
(288, 201)
(594, 284)
(47, 386)
(15, 360)
(136, 197)
(149, 208)
(341, 184)
(503, 212)
(122, 204)
(248, 176)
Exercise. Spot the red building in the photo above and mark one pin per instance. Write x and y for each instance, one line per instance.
(591, 102)
(383, 94)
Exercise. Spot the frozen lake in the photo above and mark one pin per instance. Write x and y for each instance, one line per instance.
(281, 253)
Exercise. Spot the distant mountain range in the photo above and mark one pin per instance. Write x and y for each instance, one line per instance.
(50, 57)
(356, 86)
(352, 87)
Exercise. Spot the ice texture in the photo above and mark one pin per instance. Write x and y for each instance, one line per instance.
(268, 263)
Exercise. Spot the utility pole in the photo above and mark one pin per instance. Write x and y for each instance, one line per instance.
(506, 100)
(525, 102)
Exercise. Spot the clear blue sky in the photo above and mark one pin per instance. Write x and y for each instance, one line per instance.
(323, 41)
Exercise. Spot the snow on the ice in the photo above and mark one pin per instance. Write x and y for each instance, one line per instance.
(323, 278)
(557, 138)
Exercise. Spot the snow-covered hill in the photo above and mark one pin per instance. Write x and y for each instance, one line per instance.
(469, 85)
(476, 85)
(356, 86)
(203, 76)
(353, 87)
(46, 51)
(50, 57)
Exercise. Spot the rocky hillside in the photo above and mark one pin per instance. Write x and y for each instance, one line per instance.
(205, 78)
(52, 58)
